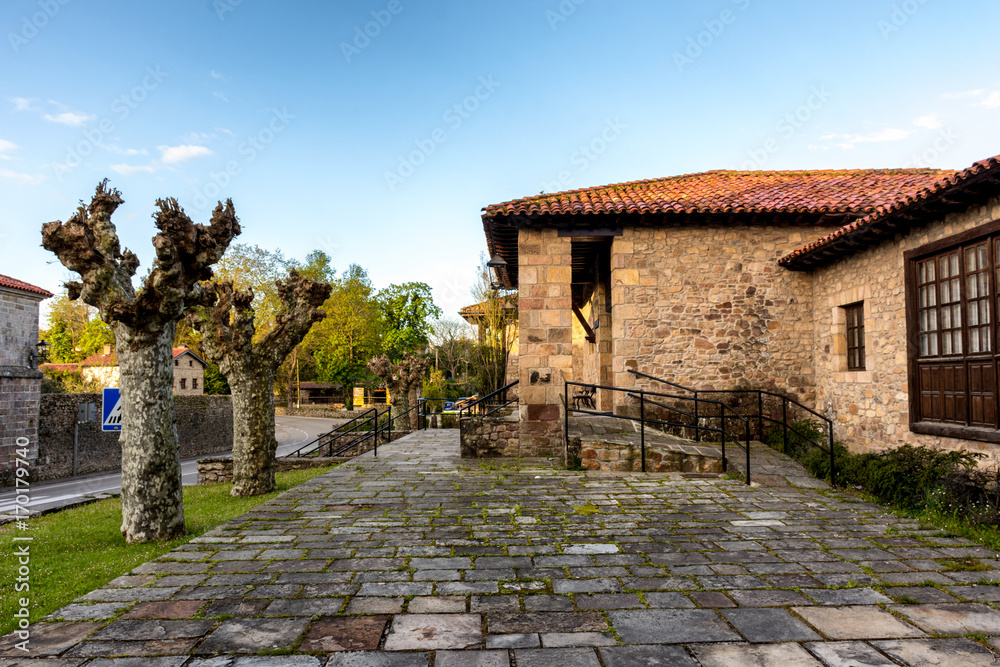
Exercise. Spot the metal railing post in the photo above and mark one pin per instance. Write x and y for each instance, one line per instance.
(697, 422)
(833, 468)
(642, 428)
(725, 463)
(566, 419)
(760, 415)
(784, 423)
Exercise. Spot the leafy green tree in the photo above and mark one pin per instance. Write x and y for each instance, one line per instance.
(75, 331)
(342, 343)
(250, 267)
(407, 312)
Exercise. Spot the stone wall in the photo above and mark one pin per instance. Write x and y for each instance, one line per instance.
(220, 470)
(709, 307)
(620, 457)
(871, 407)
(317, 411)
(204, 426)
(20, 385)
(491, 437)
(545, 338)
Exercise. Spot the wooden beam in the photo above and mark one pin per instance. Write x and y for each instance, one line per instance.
(591, 338)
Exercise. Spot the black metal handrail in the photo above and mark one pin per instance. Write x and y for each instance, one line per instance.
(484, 402)
(335, 434)
(761, 417)
(642, 395)
(425, 413)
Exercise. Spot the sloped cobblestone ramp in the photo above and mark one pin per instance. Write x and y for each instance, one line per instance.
(420, 558)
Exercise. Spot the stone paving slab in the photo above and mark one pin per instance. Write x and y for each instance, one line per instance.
(418, 558)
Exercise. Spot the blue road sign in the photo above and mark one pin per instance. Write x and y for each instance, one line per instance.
(112, 410)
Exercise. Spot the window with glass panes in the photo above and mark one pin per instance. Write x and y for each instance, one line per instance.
(855, 336)
(953, 363)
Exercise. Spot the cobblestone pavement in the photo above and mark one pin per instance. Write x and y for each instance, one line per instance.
(419, 558)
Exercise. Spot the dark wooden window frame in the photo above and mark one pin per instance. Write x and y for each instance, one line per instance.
(990, 234)
(855, 335)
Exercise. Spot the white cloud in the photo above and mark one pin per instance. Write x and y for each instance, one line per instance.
(217, 75)
(850, 141)
(993, 101)
(929, 122)
(72, 118)
(221, 96)
(118, 150)
(963, 95)
(126, 169)
(21, 103)
(21, 179)
(7, 147)
(173, 154)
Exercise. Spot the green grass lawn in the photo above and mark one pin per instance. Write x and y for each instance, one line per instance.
(80, 549)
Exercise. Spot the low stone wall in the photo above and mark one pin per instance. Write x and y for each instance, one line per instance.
(621, 457)
(316, 411)
(220, 470)
(204, 426)
(490, 437)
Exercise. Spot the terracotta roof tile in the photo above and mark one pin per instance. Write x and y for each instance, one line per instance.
(882, 213)
(12, 283)
(819, 191)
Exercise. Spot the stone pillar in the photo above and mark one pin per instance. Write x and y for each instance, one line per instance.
(624, 314)
(545, 339)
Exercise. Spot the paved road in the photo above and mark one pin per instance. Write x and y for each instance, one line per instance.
(291, 433)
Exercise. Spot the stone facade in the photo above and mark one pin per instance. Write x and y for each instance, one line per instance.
(617, 457)
(871, 407)
(545, 338)
(491, 437)
(20, 383)
(204, 426)
(708, 307)
(189, 375)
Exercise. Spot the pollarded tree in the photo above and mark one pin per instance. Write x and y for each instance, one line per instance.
(226, 322)
(144, 322)
(400, 378)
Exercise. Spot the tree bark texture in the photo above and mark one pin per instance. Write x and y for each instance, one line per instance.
(225, 318)
(399, 378)
(144, 322)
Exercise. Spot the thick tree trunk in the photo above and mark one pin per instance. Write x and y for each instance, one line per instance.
(291, 397)
(254, 444)
(400, 403)
(152, 506)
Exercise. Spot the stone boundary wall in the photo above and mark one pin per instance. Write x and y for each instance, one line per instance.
(204, 426)
(220, 470)
(490, 437)
(20, 389)
(621, 457)
(316, 411)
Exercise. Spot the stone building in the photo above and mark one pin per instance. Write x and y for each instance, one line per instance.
(102, 368)
(20, 379)
(807, 283)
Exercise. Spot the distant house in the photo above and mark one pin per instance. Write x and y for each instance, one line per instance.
(20, 379)
(102, 368)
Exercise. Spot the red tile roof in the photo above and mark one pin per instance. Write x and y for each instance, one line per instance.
(820, 191)
(12, 283)
(884, 216)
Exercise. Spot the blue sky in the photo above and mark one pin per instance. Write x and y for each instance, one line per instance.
(376, 130)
